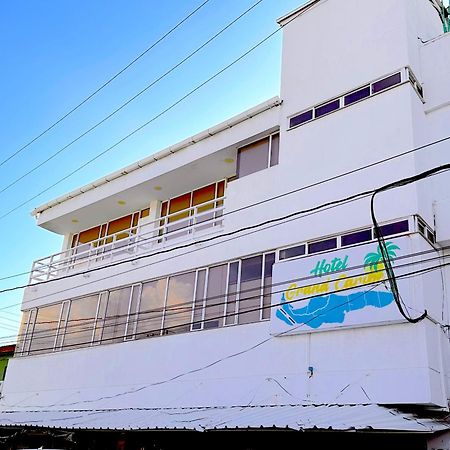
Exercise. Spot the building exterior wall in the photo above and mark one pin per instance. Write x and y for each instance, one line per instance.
(393, 362)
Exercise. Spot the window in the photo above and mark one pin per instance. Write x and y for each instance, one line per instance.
(386, 83)
(215, 296)
(321, 246)
(327, 108)
(394, 228)
(356, 237)
(116, 315)
(149, 319)
(81, 321)
(258, 155)
(301, 118)
(250, 289)
(44, 333)
(193, 208)
(180, 292)
(232, 293)
(292, 252)
(357, 95)
(269, 261)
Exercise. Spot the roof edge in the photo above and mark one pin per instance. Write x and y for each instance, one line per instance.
(298, 11)
(235, 120)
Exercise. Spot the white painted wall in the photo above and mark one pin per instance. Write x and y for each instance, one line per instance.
(334, 47)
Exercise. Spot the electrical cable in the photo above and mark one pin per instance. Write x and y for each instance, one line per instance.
(145, 124)
(381, 242)
(239, 353)
(100, 88)
(326, 180)
(190, 307)
(130, 100)
(202, 241)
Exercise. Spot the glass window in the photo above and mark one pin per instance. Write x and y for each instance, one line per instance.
(321, 246)
(327, 108)
(269, 260)
(357, 95)
(62, 324)
(133, 311)
(394, 228)
(44, 333)
(253, 158)
(356, 237)
(215, 296)
(197, 321)
(116, 315)
(250, 290)
(115, 226)
(386, 83)
(301, 118)
(180, 293)
(80, 325)
(151, 309)
(232, 295)
(274, 149)
(21, 337)
(292, 252)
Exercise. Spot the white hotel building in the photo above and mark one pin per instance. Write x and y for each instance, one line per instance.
(198, 290)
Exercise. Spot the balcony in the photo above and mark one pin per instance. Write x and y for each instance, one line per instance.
(163, 232)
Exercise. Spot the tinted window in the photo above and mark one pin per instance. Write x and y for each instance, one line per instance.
(274, 150)
(292, 252)
(301, 118)
(327, 108)
(253, 158)
(321, 246)
(386, 83)
(355, 238)
(394, 228)
(250, 289)
(357, 95)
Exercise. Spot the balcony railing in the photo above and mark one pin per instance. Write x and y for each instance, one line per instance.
(165, 231)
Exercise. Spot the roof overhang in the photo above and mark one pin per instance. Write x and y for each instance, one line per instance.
(194, 162)
(298, 11)
(301, 417)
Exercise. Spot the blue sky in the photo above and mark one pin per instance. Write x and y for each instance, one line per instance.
(54, 54)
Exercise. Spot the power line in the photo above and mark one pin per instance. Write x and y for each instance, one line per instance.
(382, 244)
(309, 186)
(190, 304)
(136, 130)
(233, 355)
(123, 105)
(106, 83)
(188, 307)
(211, 238)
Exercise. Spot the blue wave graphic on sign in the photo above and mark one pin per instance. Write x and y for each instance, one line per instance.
(331, 308)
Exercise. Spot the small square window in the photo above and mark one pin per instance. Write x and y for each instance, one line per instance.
(327, 108)
(386, 83)
(301, 118)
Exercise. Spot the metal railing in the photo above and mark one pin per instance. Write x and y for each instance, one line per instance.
(163, 231)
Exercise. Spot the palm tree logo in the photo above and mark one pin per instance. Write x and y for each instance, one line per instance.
(374, 261)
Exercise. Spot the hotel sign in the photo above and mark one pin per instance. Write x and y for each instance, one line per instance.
(346, 287)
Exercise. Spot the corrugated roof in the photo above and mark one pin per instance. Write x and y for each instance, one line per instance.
(369, 417)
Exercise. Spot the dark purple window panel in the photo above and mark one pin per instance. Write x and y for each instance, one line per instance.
(251, 268)
(386, 83)
(394, 228)
(292, 252)
(321, 246)
(356, 238)
(357, 95)
(327, 108)
(301, 118)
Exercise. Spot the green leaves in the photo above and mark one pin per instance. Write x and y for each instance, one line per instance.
(373, 259)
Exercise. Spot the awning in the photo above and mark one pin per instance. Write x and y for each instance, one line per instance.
(369, 417)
